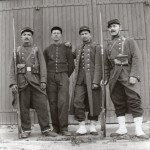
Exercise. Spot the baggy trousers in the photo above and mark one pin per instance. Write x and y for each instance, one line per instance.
(58, 96)
(122, 97)
(30, 96)
(81, 103)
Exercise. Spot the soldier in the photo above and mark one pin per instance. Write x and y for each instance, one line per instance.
(123, 59)
(60, 65)
(32, 75)
(86, 89)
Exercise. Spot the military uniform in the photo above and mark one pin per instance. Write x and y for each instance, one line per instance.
(123, 59)
(87, 72)
(31, 72)
(122, 69)
(60, 65)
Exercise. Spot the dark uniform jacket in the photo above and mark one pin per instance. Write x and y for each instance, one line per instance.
(31, 68)
(122, 68)
(59, 58)
(93, 74)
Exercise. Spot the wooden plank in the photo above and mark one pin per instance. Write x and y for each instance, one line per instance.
(134, 20)
(3, 59)
(95, 22)
(38, 25)
(147, 29)
(129, 20)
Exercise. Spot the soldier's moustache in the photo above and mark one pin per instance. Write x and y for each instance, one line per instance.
(113, 31)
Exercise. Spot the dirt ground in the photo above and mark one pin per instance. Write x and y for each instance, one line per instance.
(9, 140)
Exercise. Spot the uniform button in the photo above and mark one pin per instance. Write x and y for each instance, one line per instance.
(119, 47)
(22, 57)
(22, 53)
(119, 43)
(88, 49)
(88, 45)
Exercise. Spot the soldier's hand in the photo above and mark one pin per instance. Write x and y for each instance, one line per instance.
(68, 44)
(102, 83)
(43, 86)
(14, 88)
(132, 80)
(95, 86)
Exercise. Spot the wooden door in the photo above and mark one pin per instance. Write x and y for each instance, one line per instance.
(132, 17)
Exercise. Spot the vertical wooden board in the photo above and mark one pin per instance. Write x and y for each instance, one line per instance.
(59, 16)
(107, 12)
(120, 15)
(0, 59)
(116, 13)
(112, 12)
(81, 16)
(95, 21)
(64, 22)
(3, 59)
(104, 23)
(38, 26)
(48, 19)
(129, 20)
(73, 28)
(7, 37)
(147, 20)
(146, 87)
(125, 17)
(77, 24)
(138, 23)
(142, 20)
(134, 21)
(141, 71)
(68, 23)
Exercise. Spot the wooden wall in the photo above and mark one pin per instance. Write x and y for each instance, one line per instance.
(41, 15)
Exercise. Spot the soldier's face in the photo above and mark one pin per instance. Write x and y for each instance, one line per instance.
(56, 35)
(26, 37)
(114, 29)
(85, 36)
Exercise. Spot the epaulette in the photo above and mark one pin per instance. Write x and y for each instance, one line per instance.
(35, 49)
(18, 49)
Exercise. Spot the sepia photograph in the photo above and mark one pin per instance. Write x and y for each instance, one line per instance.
(74, 74)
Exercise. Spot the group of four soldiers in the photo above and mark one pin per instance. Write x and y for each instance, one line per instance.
(37, 80)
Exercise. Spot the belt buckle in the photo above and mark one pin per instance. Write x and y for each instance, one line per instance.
(29, 69)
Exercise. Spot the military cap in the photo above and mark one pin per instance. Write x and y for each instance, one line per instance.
(27, 29)
(56, 28)
(84, 28)
(113, 21)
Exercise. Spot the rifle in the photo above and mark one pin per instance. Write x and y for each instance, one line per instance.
(16, 95)
(103, 113)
